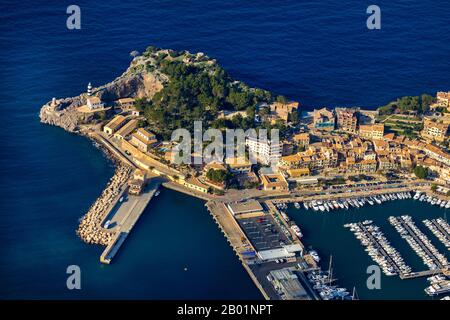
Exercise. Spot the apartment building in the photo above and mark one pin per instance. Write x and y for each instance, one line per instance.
(434, 130)
(372, 131)
(264, 151)
(347, 119)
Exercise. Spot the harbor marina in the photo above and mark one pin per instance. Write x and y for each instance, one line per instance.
(350, 259)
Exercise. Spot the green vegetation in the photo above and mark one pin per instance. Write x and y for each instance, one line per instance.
(334, 181)
(196, 92)
(421, 172)
(433, 187)
(421, 104)
(219, 176)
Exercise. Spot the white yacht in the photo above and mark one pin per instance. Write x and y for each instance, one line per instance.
(314, 255)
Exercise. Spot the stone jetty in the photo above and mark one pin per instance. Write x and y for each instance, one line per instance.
(90, 229)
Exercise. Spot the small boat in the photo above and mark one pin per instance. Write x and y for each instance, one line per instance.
(121, 199)
(297, 231)
(157, 193)
(314, 255)
(284, 215)
(297, 205)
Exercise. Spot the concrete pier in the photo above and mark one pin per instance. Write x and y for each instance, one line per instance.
(125, 217)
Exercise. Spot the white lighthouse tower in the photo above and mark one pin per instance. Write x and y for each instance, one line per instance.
(89, 89)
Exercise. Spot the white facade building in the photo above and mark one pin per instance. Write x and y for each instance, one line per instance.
(94, 103)
(265, 151)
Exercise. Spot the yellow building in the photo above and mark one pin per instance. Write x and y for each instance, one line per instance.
(323, 119)
(136, 185)
(296, 173)
(195, 184)
(282, 110)
(302, 139)
(126, 129)
(434, 130)
(274, 181)
(347, 119)
(143, 139)
(372, 131)
(126, 103)
(115, 124)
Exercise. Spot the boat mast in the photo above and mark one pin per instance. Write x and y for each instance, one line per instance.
(354, 293)
(330, 269)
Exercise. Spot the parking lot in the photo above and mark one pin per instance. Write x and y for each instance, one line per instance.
(263, 232)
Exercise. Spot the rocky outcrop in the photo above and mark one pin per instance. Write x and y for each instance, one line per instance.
(135, 86)
(63, 113)
(132, 83)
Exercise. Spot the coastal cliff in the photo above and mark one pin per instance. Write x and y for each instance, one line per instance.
(179, 87)
(138, 81)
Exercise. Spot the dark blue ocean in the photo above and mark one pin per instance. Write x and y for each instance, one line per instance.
(319, 52)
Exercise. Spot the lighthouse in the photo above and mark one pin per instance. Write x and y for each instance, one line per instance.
(89, 89)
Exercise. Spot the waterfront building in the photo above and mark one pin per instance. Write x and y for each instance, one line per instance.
(264, 151)
(372, 131)
(437, 154)
(143, 139)
(136, 184)
(280, 110)
(442, 101)
(285, 252)
(347, 119)
(323, 119)
(361, 166)
(115, 124)
(434, 130)
(274, 182)
(245, 207)
(299, 172)
(196, 184)
(287, 283)
(385, 163)
(127, 129)
(94, 103)
(126, 103)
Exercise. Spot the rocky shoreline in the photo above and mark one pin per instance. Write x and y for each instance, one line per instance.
(90, 229)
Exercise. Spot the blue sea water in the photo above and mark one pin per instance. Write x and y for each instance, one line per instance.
(319, 52)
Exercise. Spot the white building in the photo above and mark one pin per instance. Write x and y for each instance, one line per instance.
(265, 151)
(94, 103)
